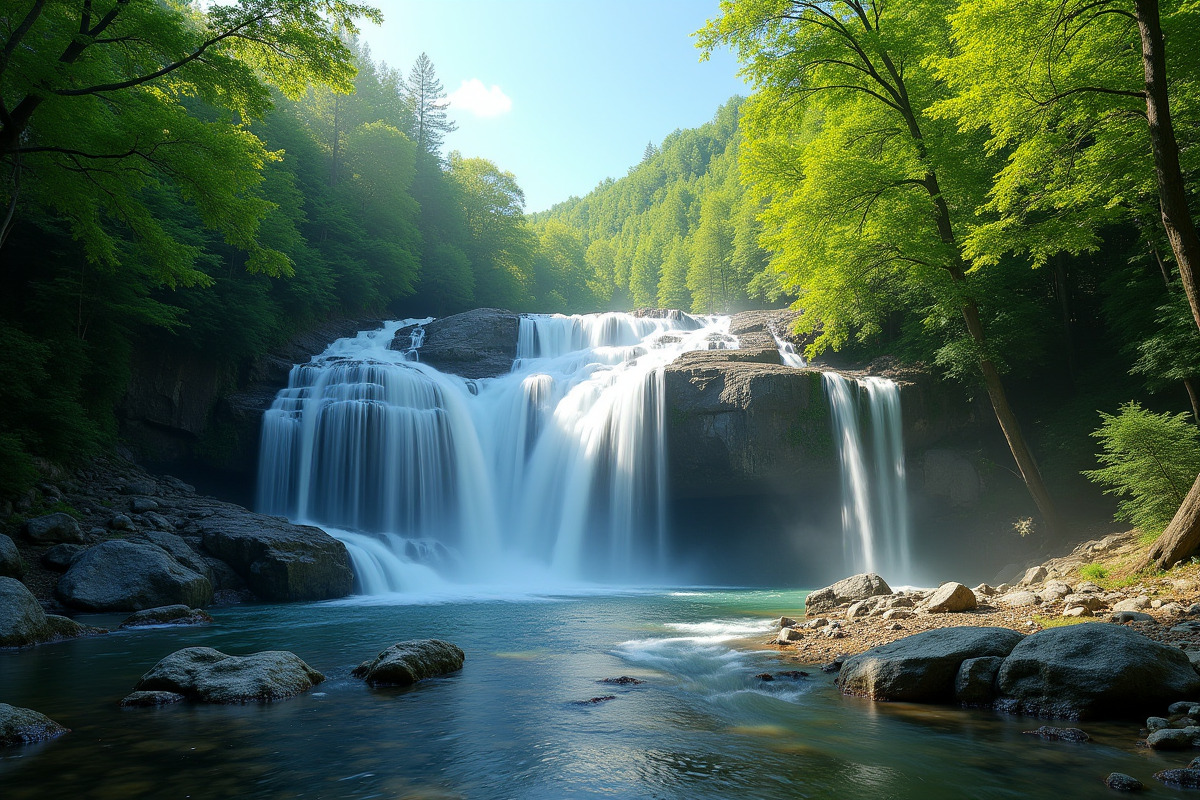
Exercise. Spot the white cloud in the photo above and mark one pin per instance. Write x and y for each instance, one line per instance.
(481, 101)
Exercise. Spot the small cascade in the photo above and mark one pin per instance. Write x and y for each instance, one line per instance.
(874, 488)
(788, 353)
(558, 467)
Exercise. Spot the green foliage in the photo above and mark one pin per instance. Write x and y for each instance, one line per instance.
(1093, 572)
(1149, 459)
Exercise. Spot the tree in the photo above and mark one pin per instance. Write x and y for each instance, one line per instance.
(878, 194)
(427, 104)
(500, 244)
(1080, 93)
(119, 97)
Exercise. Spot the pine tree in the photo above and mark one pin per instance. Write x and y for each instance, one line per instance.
(427, 100)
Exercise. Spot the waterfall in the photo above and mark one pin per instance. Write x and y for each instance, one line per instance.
(558, 466)
(874, 490)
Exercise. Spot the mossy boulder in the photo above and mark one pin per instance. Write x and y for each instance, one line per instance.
(405, 663)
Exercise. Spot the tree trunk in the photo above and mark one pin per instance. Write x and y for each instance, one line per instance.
(1172, 192)
(1182, 536)
(1012, 429)
(1191, 390)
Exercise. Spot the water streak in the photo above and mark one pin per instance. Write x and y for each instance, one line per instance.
(559, 466)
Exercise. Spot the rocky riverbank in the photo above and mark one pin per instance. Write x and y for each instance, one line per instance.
(111, 537)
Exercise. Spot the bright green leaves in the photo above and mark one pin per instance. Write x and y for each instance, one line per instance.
(1150, 460)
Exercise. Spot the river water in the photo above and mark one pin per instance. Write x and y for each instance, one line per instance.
(511, 724)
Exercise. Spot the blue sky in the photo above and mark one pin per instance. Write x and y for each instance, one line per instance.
(562, 93)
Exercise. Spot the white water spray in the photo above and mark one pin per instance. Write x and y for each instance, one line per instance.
(557, 468)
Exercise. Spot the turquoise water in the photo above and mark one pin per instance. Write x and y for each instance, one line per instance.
(511, 725)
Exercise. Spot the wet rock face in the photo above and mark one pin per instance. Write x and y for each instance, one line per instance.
(205, 675)
(922, 668)
(1088, 671)
(277, 559)
(119, 575)
(405, 663)
(24, 623)
(53, 528)
(481, 343)
(10, 558)
(167, 615)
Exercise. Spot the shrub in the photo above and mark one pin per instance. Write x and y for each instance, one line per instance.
(1093, 572)
(1150, 460)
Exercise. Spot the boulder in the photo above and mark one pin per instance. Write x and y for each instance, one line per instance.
(975, 683)
(277, 559)
(1132, 604)
(118, 575)
(1033, 575)
(1019, 599)
(205, 675)
(178, 549)
(1157, 723)
(1187, 778)
(1087, 671)
(53, 528)
(1089, 601)
(406, 663)
(481, 343)
(783, 622)
(26, 726)
(167, 615)
(10, 559)
(1059, 734)
(922, 667)
(1172, 738)
(1120, 782)
(788, 635)
(984, 590)
(950, 597)
(24, 623)
(1054, 590)
(140, 505)
(60, 557)
(1130, 616)
(848, 590)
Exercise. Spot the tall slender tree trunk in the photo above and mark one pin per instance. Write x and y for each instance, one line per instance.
(1182, 536)
(1190, 385)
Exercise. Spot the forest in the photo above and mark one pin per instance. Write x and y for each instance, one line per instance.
(1000, 190)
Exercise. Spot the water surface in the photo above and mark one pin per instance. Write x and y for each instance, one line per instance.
(511, 725)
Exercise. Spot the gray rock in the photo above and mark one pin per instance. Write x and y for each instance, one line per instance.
(1191, 626)
(1084, 671)
(788, 635)
(158, 521)
(922, 667)
(818, 622)
(1077, 611)
(1089, 601)
(1060, 734)
(1054, 590)
(1174, 609)
(10, 558)
(142, 486)
(983, 590)
(129, 576)
(898, 613)
(205, 675)
(481, 343)
(1157, 723)
(140, 505)
(151, 699)
(167, 615)
(1019, 599)
(949, 598)
(1188, 778)
(1132, 604)
(277, 559)
(783, 622)
(24, 623)
(1183, 707)
(178, 549)
(1121, 782)
(406, 663)
(53, 528)
(849, 590)
(1033, 575)
(26, 726)
(1170, 739)
(120, 522)
(1122, 617)
(975, 683)
(864, 608)
(60, 557)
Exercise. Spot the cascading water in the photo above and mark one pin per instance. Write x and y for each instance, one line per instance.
(874, 500)
(560, 464)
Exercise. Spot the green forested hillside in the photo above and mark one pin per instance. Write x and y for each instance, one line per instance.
(681, 230)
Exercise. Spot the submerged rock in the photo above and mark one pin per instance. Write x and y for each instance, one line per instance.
(1187, 778)
(128, 576)
(849, 590)
(205, 675)
(151, 699)
(1059, 734)
(624, 680)
(1121, 782)
(922, 668)
(1084, 671)
(405, 663)
(26, 726)
(167, 615)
